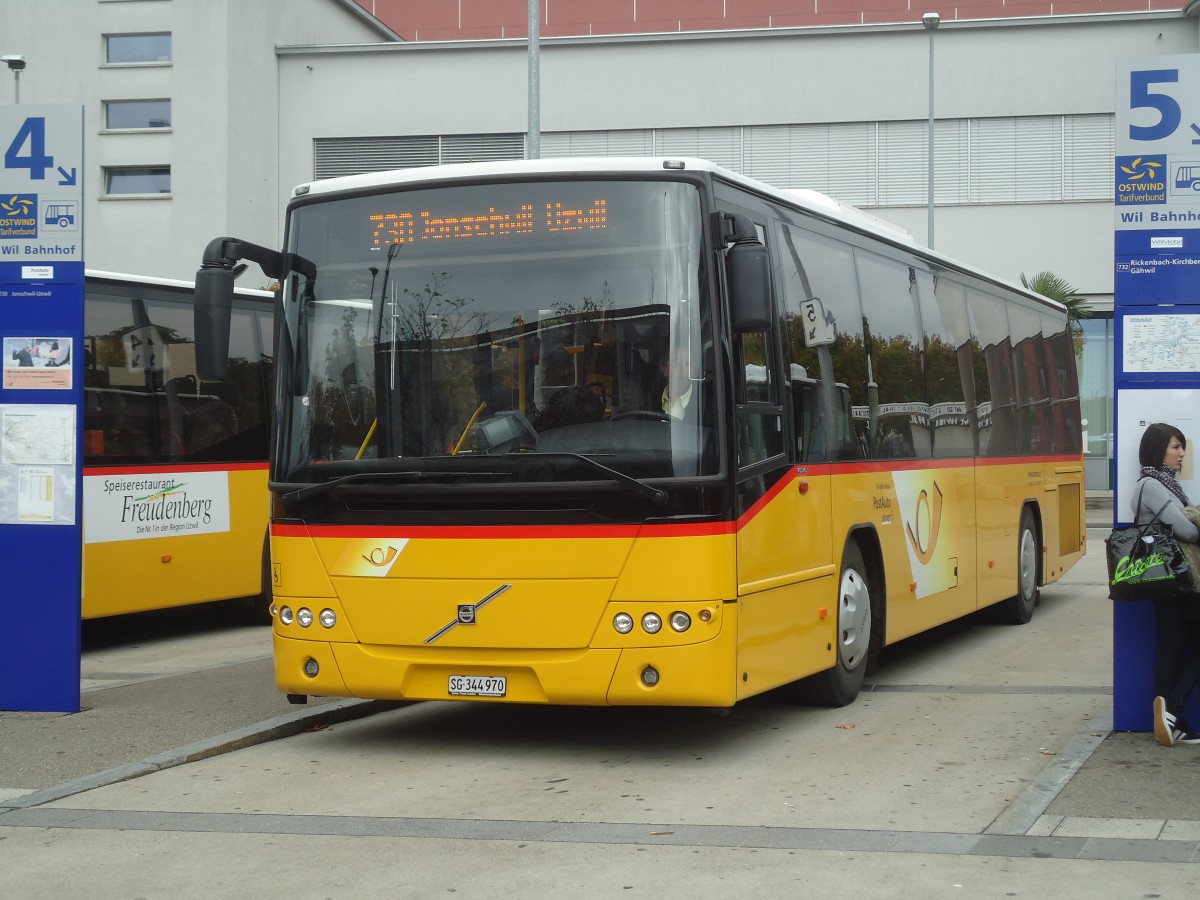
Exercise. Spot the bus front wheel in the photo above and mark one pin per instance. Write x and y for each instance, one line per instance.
(840, 684)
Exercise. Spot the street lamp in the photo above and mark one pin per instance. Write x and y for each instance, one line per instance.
(931, 21)
(16, 63)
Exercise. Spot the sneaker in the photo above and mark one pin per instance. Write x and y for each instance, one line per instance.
(1164, 723)
(1170, 729)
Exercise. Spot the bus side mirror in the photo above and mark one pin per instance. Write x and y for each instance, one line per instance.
(212, 310)
(748, 274)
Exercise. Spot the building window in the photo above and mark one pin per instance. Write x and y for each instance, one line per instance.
(137, 48)
(119, 114)
(120, 180)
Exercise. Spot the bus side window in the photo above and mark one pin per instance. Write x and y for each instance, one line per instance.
(949, 374)
(995, 392)
(1063, 387)
(827, 374)
(897, 406)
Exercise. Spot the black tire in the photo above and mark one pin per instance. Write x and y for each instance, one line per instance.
(1018, 609)
(856, 634)
(257, 609)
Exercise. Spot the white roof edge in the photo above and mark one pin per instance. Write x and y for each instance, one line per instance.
(161, 282)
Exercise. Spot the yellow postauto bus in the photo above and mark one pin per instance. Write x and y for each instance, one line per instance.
(175, 465)
(641, 431)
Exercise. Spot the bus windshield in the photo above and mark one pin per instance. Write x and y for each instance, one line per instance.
(498, 331)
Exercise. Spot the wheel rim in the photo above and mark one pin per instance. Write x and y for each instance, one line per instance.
(854, 619)
(1028, 564)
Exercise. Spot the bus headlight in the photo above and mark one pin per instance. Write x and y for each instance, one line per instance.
(623, 623)
(286, 616)
(328, 618)
(304, 617)
(651, 623)
(680, 621)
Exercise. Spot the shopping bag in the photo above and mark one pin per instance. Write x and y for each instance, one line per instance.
(1145, 563)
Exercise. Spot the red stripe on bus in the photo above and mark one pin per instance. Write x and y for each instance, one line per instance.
(504, 532)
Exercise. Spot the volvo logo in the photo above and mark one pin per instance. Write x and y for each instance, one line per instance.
(467, 613)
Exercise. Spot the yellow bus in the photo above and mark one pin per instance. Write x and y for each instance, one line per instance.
(175, 500)
(642, 431)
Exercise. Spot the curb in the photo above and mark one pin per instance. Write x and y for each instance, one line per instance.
(1023, 813)
(286, 725)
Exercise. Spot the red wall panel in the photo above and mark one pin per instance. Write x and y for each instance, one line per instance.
(476, 19)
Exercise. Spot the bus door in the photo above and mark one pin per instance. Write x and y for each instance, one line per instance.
(784, 555)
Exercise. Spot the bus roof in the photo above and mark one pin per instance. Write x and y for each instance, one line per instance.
(814, 202)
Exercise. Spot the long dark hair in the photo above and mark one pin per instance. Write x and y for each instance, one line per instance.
(1155, 440)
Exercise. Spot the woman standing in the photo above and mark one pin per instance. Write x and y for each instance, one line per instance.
(1177, 660)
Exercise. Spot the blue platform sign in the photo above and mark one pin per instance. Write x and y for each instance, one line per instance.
(1157, 180)
(41, 391)
(1157, 309)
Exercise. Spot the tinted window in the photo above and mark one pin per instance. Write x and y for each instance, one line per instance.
(144, 401)
(995, 390)
(828, 381)
(1063, 384)
(897, 408)
(949, 369)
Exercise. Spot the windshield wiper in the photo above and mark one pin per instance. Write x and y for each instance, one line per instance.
(657, 496)
(320, 487)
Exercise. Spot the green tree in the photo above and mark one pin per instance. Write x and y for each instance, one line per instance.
(1050, 285)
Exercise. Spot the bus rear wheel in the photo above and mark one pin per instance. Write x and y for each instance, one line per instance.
(840, 684)
(1018, 609)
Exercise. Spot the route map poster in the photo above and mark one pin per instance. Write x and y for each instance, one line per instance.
(1164, 342)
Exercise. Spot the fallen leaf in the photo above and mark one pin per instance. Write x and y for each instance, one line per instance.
(845, 725)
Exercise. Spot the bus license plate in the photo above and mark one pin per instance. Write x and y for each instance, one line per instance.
(478, 686)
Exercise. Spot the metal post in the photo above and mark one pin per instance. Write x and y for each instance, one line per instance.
(931, 22)
(533, 147)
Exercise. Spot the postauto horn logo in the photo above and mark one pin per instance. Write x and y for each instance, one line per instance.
(17, 216)
(1141, 179)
